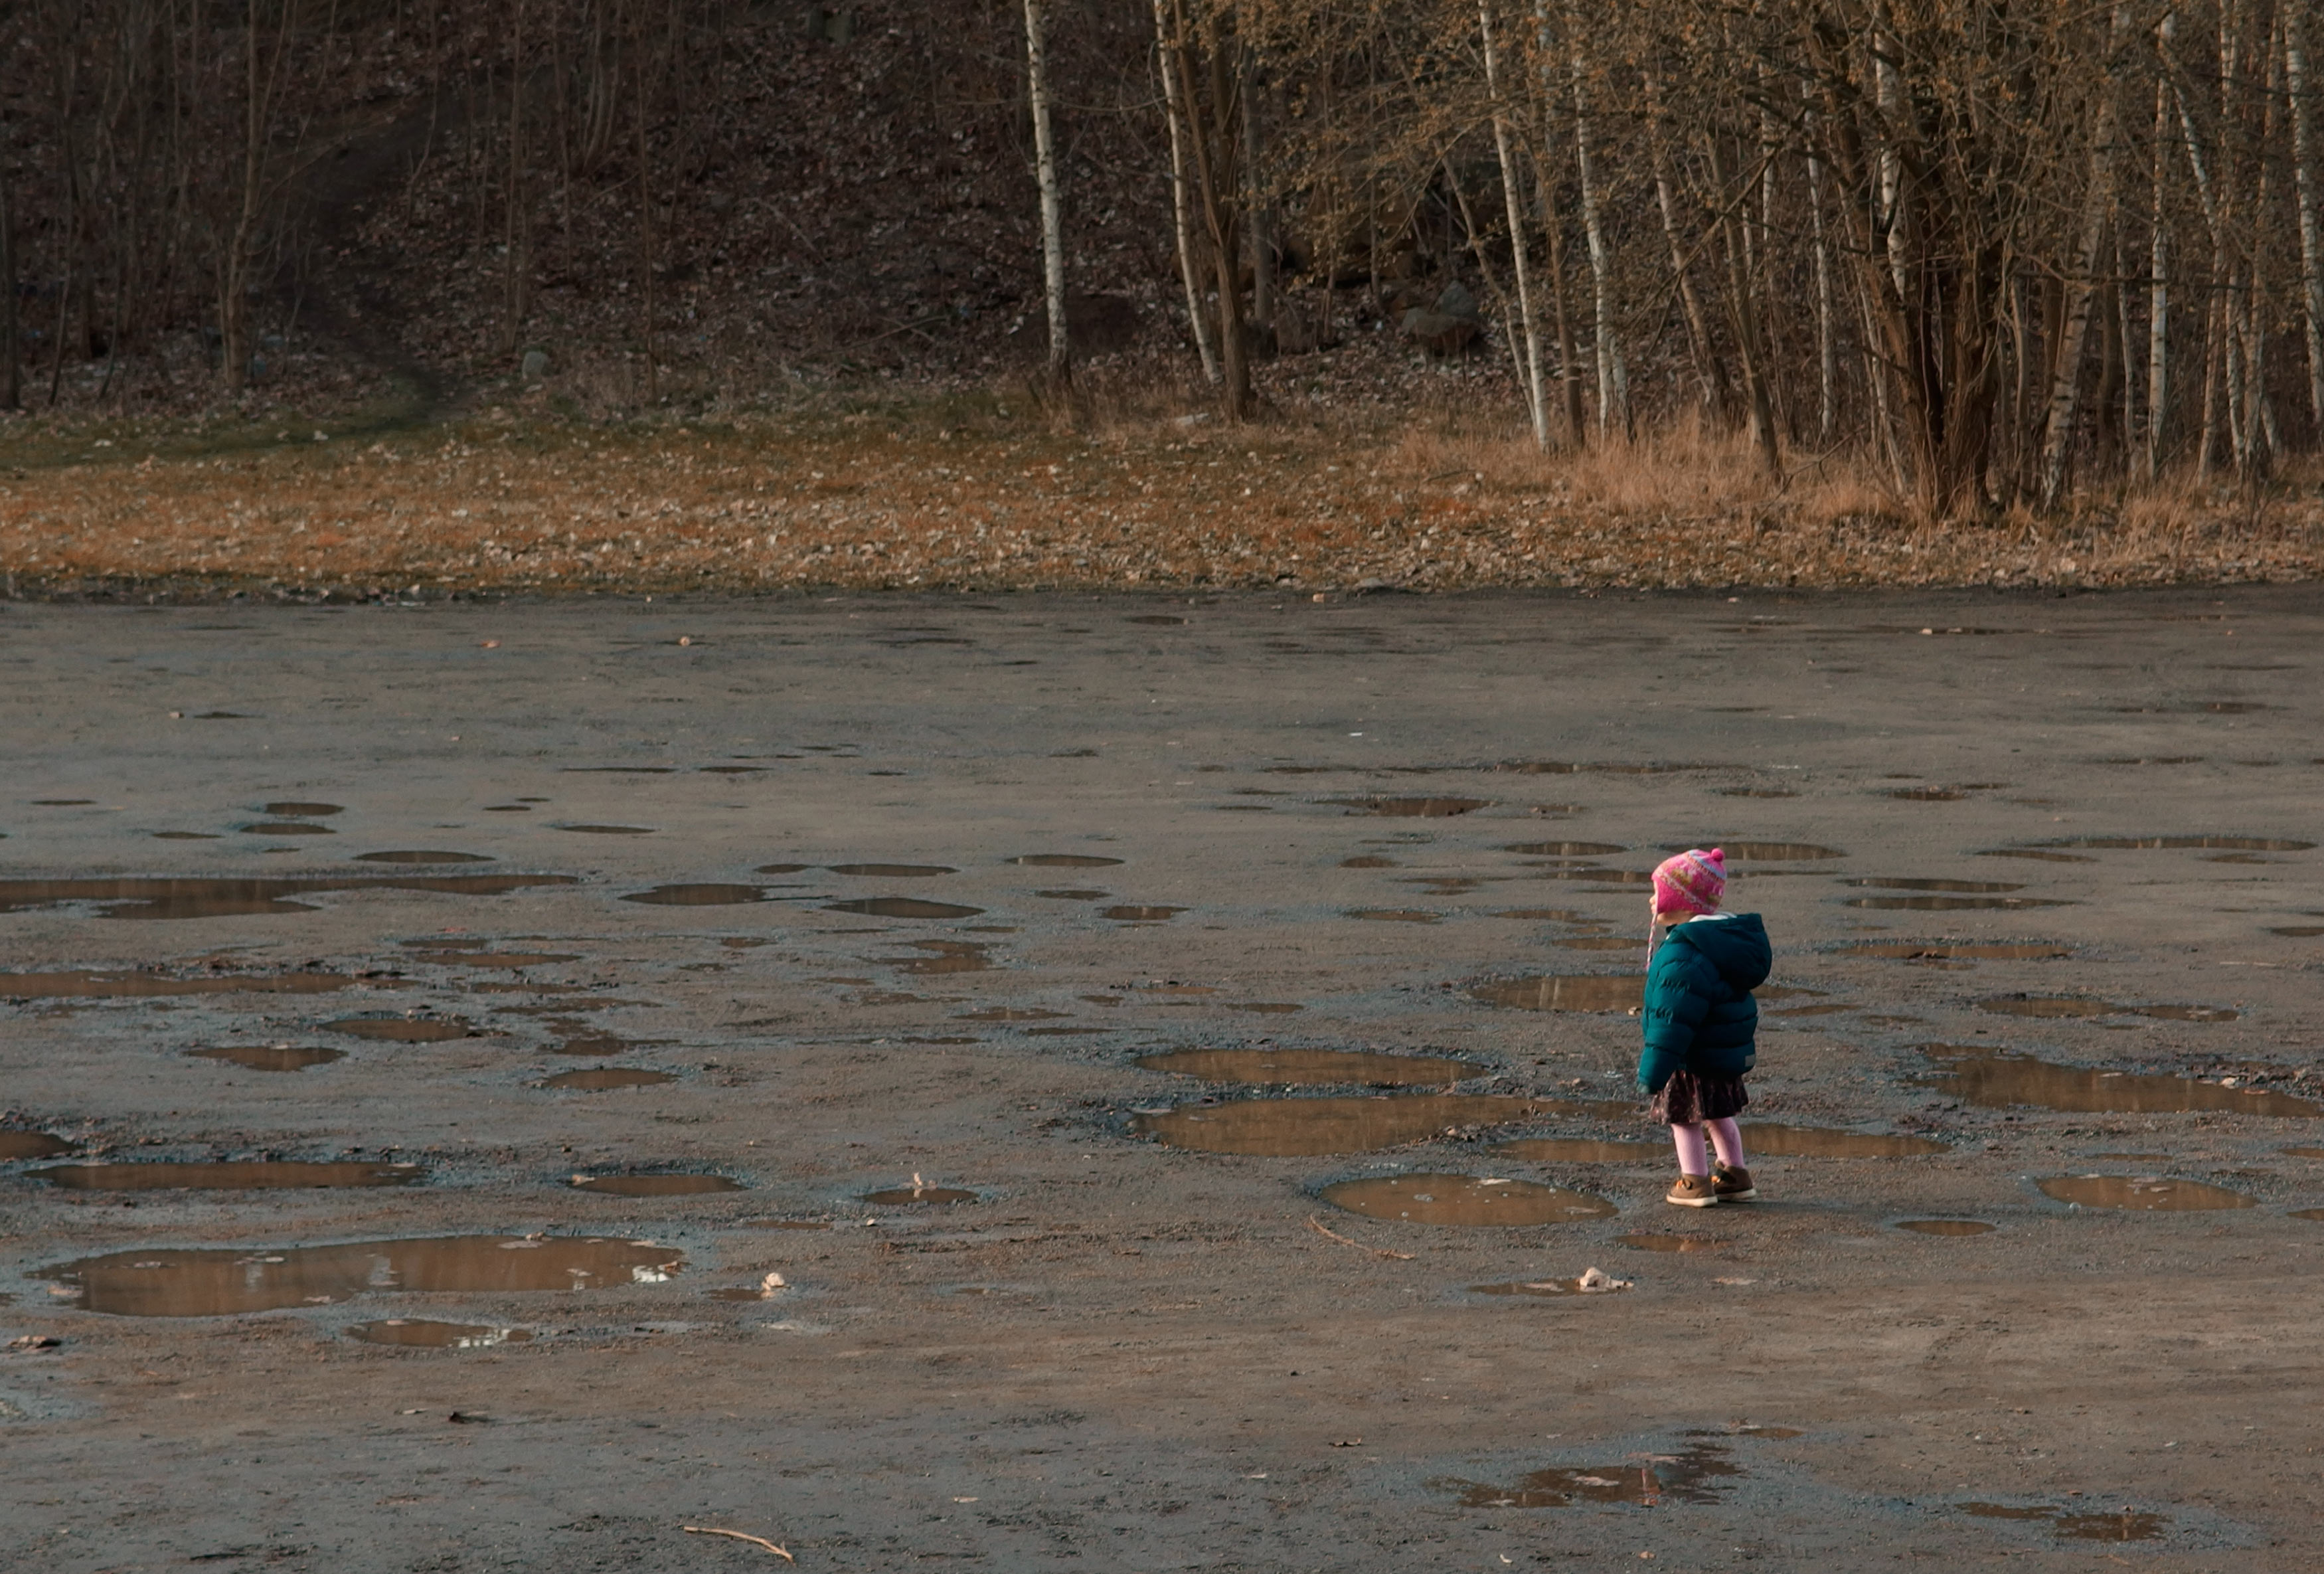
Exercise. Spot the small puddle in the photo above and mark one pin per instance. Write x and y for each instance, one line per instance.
(1412, 808)
(1769, 852)
(482, 958)
(2000, 1079)
(2306, 1153)
(1011, 1014)
(1954, 950)
(1286, 1128)
(401, 1029)
(1584, 1151)
(421, 856)
(607, 829)
(228, 1175)
(1562, 849)
(96, 986)
(1369, 861)
(30, 1145)
(1601, 876)
(425, 1333)
(598, 1044)
(293, 808)
(1131, 913)
(2123, 1525)
(269, 1057)
(944, 957)
(1644, 1481)
(1811, 1142)
(1313, 1067)
(1946, 1226)
(1465, 1200)
(603, 1079)
(698, 896)
(1601, 943)
(1926, 884)
(658, 1185)
(914, 1196)
(1080, 895)
(282, 828)
(1661, 1242)
(239, 898)
(892, 871)
(1567, 992)
(2037, 855)
(2083, 1006)
(1063, 861)
(2230, 844)
(1547, 1289)
(1156, 620)
(1395, 914)
(224, 1282)
(1955, 903)
(1929, 794)
(902, 907)
(2145, 1193)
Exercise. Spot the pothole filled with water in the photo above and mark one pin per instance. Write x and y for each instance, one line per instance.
(1809, 1142)
(1295, 1067)
(699, 894)
(1769, 852)
(227, 1175)
(16, 1145)
(269, 1057)
(892, 871)
(427, 1334)
(2234, 844)
(2000, 1079)
(1643, 1481)
(665, 1184)
(919, 1195)
(1395, 914)
(89, 984)
(1557, 850)
(606, 1079)
(401, 1029)
(1465, 1200)
(1946, 1226)
(1917, 883)
(1411, 807)
(2126, 1525)
(607, 829)
(1955, 903)
(228, 1281)
(242, 898)
(1552, 1289)
(2144, 1193)
(902, 907)
(285, 828)
(1566, 992)
(1063, 861)
(1308, 1127)
(423, 856)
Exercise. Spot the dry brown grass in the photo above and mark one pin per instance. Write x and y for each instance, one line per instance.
(1135, 490)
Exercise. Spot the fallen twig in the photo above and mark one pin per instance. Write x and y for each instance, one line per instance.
(1332, 1234)
(741, 1536)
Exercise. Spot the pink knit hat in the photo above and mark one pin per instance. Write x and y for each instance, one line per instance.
(1693, 881)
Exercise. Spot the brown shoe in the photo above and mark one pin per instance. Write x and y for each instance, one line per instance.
(1692, 1191)
(1733, 1185)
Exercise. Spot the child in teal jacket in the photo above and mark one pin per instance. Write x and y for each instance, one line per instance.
(1701, 1024)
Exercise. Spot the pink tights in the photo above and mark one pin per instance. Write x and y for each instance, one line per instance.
(1725, 1134)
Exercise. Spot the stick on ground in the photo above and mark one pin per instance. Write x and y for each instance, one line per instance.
(1332, 1234)
(741, 1536)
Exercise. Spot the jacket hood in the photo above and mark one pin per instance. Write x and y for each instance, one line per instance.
(1736, 944)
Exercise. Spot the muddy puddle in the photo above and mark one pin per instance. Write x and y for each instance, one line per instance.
(16, 1145)
(1946, 1226)
(401, 1029)
(1643, 1481)
(1065, 861)
(604, 1078)
(2037, 855)
(2120, 1525)
(1411, 807)
(451, 954)
(1368, 861)
(1567, 992)
(284, 827)
(1464, 1200)
(1551, 1288)
(1650, 1242)
(1957, 950)
(1559, 850)
(1083, 894)
(607, 829)
(667, 1184)
(2054, 1006)
(1999, 1079)
(892, 871)
(2305, 1152)
(1767, 852)
(423, 856)
(601, 1044)
(1584, 1151)
(242, 898)
(1286, 1128)
(1601, 876)
(1313, 1067)
(1130, 913)
(1917, 883)
(2231, 844)
(917, 1195)
(427, 1334)
(269, 1057)
(1955, 903)
(223, 1281)
(943, 956)
(1394, 914)
(902, 907)
(227, 1175)
(2143, 1193)
(1775, 1141)
(80, 985)
(1011, 1014)
(699, 894)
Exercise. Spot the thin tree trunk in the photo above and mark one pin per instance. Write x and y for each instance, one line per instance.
(1743, 312)
(2066, 375)
(1213, 142)
(1181, 219)
(2258, 455)
(645, 219)
(2311, 234)
(1827, 341)
(1256, 218)
(2158, 282)
(1708, 367)
(1053, 226)
(516, 266)
(1534, 402)
(1613, 378)
(12, 361)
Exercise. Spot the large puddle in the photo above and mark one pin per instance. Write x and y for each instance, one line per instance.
(1957, 950)
(1295, 1067)
(943, 956)
(401, 1029)
(30, 1145)
(604, 1078)
(1920, 884)
(667, 1184)
(88, 985)
(1567, 992)
(892, 871)
(902, 907)
(2127, 1525)
(423, 856)
(223, 1281)
(1776, 1140)
(2000, 1079)
(1063, 861)
(1770, 852)
(2083, 1006)
(1955, 903)
(427, 1334)
(1467, 1200)
(269, 1057)
(227, 1175)
(2233, 844)
(242, 898)
(1530, 850)
(1642, 1481)
(2145, 1193)
(1286, 1128)
(699, 896)
(1412, 808)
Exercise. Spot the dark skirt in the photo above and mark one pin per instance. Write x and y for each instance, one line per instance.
(1688, 1099)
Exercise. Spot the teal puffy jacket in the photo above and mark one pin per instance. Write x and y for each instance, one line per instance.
(1699, 1013)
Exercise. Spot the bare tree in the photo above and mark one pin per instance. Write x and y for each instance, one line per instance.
(1052, 221)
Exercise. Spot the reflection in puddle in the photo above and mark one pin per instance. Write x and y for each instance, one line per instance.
(1998, 1079)
(1292, 1067)
(2083, 1006)
(1564, 850)
(1412, 808)
(917, 1193)
(1063, 861)
(1954, 903)
(603, 1079)
(421, 856)
(1946, 1226)
(1811, 1141)
(2123, 1525)
(2218, 842)
(1945, 950)
(1141, 915)
(30, 1145)
(1566, 992)
(2148, 1193)
(218, 1283)
(655, 1185)
(607, 829)
(902, 907)
(1306, 1127)
(1645, 1480)
(1661, 1242)
(1582, 1150)
(271, 1057)
(207, 898)
(230, 1175)
(1395, 914)
(401, 1029)
(892, 871)
(699, 896)
(1466, 1200)
(95, 985)
(945, 957)
(425, 1333)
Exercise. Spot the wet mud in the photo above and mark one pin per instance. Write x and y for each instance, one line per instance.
(80, 985)
(1568, 992)
(401, 1029)
(664, 1184)
(1465, 1201)
(269, 1057)
(1946, 1226)
(606, 1079)
(227, 1175)
(420, 1333)
(1650, 1481)
(1306, 1127)
(2143, 1193)
(1313, 1067)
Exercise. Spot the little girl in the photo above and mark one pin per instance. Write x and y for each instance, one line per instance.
(1701, 1021)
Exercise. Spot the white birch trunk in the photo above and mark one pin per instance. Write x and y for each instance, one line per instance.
(2158, 280)
(1613, 378)
(1535, 403)
(2303, 168)
(1175, 113)
(1052, 223)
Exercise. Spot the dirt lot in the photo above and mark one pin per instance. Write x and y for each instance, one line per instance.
(1146, 1340)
